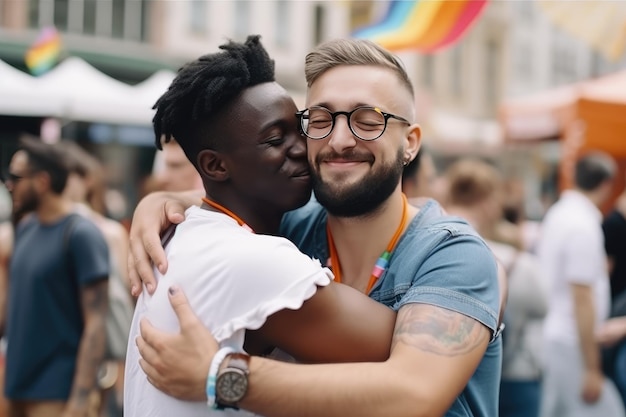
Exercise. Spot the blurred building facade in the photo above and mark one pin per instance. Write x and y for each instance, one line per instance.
(512, 50)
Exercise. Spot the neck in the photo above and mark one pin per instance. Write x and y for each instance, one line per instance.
(262, 220)
(52, 208)
(596, 197)
(360, 241)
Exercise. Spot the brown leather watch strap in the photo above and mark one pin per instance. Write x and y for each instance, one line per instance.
(237, 360)
(234, 365)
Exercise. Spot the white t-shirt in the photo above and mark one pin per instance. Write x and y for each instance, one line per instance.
(234, 280)
(571, 251)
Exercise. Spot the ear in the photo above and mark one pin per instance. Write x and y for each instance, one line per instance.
(413, 141)
(41, 181)
(211, 165)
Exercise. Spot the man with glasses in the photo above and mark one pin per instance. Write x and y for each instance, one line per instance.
(433, 270)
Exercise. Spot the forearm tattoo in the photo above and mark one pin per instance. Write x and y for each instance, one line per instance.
(92, 347)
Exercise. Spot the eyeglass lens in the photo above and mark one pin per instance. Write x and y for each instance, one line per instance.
(365, 123)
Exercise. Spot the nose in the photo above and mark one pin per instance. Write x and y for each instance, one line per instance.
(341, 138)
(298, 146)
(8, 184)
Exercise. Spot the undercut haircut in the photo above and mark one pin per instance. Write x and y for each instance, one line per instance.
(341, 52)
(593, 169)
(409, 172)
(49, 158)
(202, 88)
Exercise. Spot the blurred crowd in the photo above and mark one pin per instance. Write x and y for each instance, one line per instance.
(565, 335)
(565, 316)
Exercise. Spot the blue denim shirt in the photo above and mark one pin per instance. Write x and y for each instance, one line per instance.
(439, 260)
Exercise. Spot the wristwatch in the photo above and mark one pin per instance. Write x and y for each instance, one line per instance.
(232, 381)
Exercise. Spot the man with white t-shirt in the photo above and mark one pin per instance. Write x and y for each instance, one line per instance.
(572, 257)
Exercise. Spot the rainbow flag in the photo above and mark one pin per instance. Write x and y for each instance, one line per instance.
(45, 52)
(422, 25)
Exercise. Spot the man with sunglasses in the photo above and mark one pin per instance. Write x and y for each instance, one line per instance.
(58, 291)
(433, 270)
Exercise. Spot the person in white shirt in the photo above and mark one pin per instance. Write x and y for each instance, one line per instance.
(237, 126)
(572, 256)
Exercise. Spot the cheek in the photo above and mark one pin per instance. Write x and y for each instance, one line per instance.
(312, 148)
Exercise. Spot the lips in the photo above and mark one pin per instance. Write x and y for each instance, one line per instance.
(301, 171)
(300, 174)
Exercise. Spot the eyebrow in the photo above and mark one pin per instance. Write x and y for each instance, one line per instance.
(276, 123)
(333, 108)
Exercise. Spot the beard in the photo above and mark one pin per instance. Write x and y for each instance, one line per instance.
(362, 197)
(29, 202)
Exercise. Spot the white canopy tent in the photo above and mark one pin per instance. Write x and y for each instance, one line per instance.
(74, 90)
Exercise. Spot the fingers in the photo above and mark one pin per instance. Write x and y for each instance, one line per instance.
(180, 304)
(153, 376)
(148, 353)
(139, 267)
(174, 211)
(133, 276)
(150, 338)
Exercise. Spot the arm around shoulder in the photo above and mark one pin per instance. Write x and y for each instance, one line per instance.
(337, 324)
(154, 214)
(435, 352)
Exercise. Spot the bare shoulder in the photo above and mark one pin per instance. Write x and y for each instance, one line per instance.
(438, 330)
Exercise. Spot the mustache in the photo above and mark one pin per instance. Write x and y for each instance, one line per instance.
(350, 156)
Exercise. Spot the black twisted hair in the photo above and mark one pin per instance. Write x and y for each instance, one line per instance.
(204, 87)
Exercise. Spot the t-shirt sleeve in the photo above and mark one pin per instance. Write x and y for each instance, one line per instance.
(459, 274)
(577, 269)
(277, 277)
(89, 252)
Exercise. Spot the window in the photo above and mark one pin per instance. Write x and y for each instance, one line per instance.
(428, 70)
(33, 13)
(89, 22)
(282, 24)
(144, 20)
(122, 19)
(242, 18)
(318, 36)
(198, 16)
(60, 14)
(118, 19)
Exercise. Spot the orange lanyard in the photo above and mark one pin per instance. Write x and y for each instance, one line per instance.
(383, 260)
(229, 213)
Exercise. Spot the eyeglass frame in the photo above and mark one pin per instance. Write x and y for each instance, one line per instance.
(348, 114)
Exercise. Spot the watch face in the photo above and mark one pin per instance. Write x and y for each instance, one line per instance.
(231, 386)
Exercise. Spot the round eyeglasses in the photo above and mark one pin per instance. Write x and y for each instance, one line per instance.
(366, 123)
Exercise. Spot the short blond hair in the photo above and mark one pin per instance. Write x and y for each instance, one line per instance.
(340, 52)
